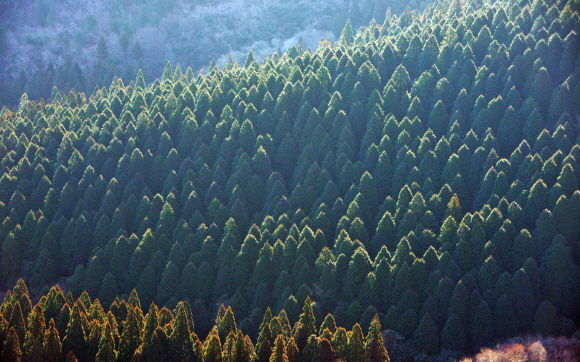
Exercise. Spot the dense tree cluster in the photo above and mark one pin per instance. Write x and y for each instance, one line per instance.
(59, 328)
(425, 170)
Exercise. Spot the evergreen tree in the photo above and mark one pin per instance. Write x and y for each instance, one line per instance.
(347, 35)
(181, 345)
(131, 336)
(325, 352)
(11, 351)
(102, 51)
(546, 319)
(427, 336)
(212, 349)
(35, 334)
(307, 319)
(158, 348)
(356, 348)
(106, 346)
(376, 352)
(292, 351)
(51, 344)
(279, 351)
(75, 339)
(453, 335)
(481, 327)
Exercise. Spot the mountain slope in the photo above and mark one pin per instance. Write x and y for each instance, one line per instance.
(425, 170)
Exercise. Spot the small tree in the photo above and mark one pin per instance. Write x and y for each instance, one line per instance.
(347, 35)
(102, 49)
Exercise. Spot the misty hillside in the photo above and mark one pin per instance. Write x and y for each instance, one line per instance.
(409, 191)
(39, 37)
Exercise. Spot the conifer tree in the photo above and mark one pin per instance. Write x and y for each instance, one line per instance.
(131, 336)
(158, 348)
(376, 352)
(481, 327)
(227, 324)
(292, 351)
(453, 335)
(11, 350)
(427, 336)
(102, 51)
(75, 339)
(181, 345)
(106, 346)
(326, 353)
(51, 345)
(212, 349)
(279, 351)
(356, 348)
(546, 319)
(35, 334)
(347, 34)
(307, 319)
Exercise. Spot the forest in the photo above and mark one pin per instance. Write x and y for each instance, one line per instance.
(82, 44)
(409, 192)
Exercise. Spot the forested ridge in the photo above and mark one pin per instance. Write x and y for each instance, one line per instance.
(419, 176)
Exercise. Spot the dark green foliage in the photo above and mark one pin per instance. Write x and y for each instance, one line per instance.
(355, 345)
(453, 335)
(131, 336)
(75, 339)
(51, 344)
(181, 345)
(427, 336)
(425, 170)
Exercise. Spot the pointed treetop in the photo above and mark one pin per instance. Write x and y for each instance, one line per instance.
(140, 82)
(307, 318)
(250, 59)
(168, 72)
(347, 35)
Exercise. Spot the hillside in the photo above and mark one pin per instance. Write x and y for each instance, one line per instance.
(85, 44)
(417, 180)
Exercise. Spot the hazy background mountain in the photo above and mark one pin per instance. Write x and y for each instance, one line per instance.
(145, 34)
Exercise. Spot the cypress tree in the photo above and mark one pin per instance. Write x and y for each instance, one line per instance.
(546, 319)
(427, 336)
(481, 327)
(356, 347)
(227, 324)
(51, 344)
(347, 34)
(329, 323)
(312, 348)
(158, 348)
(106, 346)
(325, 352)
(131, 336)
(11, 351)
(279, 351)
(181, 345)
(340, 343)
(212, 349)
(75, 339)
(453, 335)
(292, 351)
(17, 321)
(35, 334)
(376, 352)
(561, 286)
(307, 319)
(151, 323)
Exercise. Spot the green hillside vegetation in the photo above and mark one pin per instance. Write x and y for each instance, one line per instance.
(424, 171)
